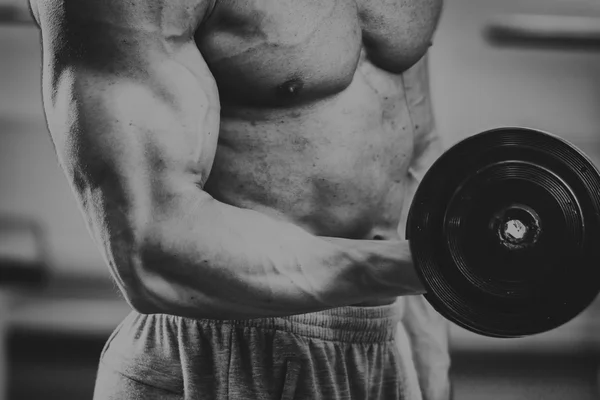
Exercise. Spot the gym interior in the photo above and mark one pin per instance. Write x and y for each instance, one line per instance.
(531, 63)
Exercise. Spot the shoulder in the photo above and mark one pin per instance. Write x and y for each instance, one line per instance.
(166, 17)
(117, 37)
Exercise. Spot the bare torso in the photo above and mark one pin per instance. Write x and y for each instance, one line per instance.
(320, 103)
(322, 108)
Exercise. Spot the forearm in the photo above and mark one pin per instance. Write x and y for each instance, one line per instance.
(206, 259)
(427, 329)
(428, 332)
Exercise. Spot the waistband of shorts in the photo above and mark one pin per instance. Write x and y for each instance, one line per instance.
(343, 324)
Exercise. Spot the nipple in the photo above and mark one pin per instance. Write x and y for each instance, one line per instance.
(290, 87)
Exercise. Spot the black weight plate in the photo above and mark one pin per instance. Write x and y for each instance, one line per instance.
(504, 231)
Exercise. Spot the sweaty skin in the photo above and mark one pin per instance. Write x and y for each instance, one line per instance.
(317, 123)
(241, 159)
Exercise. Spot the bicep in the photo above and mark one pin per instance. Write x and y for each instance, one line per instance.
(428, 144)
(140, 138)
(166, 126)
(133, 115)
(119, 75)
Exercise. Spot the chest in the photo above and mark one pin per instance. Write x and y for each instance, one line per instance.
(277, 52)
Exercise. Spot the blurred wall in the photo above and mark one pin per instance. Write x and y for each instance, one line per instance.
(475, 87)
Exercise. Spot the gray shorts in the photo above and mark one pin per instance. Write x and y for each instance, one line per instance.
(344, 353)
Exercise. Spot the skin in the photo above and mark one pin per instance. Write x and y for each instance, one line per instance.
(248, 159)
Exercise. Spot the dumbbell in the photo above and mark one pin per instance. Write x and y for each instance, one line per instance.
(504, 231)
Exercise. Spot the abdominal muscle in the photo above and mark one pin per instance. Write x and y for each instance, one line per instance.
(336, 167)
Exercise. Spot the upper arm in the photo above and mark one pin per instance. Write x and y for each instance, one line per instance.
(427, 329)
(428, 144)
(124, 84)
(132, 109)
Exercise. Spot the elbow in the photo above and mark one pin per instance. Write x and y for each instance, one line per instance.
(140, 295)
(150, 296)
(160, 272)
(141, 304)
(156, 293)
(141, 281)
(154, 287)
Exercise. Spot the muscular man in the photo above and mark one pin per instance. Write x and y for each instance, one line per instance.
(245, 167)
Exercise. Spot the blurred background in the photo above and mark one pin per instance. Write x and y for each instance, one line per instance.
(532, 63)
